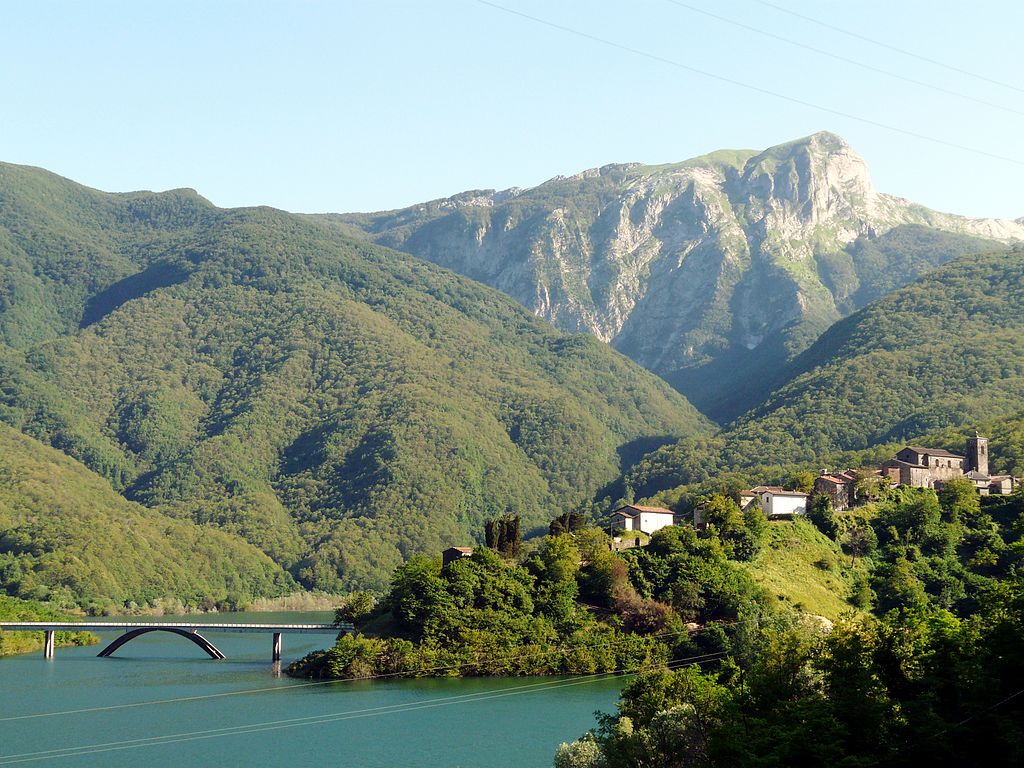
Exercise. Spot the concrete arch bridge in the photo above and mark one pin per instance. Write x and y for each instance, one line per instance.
(188, 630)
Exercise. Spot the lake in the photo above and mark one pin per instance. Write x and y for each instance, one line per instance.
(235, 711)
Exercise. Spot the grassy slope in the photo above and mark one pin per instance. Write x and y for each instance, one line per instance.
(803, 568)
(13, 609)
(337, 404)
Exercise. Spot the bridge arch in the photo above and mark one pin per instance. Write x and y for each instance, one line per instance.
(212, 651)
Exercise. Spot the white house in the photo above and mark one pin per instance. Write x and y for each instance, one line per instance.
(633, 517)
(775, 501)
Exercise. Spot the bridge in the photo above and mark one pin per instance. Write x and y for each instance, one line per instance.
(132, 629)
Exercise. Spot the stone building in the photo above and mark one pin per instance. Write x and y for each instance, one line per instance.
(931, 467)
(838, 486)
(923, 467)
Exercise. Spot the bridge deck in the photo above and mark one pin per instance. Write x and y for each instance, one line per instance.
(112, 626)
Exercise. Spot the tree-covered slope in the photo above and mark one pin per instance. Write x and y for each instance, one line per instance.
(13, 609)
(339, 405)
(62, 244)
(708, 272)
(945, 351)
(67, 537)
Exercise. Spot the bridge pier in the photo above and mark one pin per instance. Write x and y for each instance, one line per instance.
(276, 652)
(49, 643)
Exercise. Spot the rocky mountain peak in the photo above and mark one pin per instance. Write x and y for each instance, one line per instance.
(725, 265)
(820, 175)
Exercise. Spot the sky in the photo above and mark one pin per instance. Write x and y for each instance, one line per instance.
(356, 106)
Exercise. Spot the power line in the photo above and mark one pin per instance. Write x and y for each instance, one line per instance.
(986, 710)
(838, 57)
(749, 86)
(334, 717)
(880, 44)
(387, 675)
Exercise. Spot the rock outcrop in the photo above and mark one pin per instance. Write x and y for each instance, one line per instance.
(712, 272)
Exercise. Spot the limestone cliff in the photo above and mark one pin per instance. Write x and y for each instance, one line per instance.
(711, 272)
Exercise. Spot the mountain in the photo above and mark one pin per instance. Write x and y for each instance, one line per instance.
(336, 404)
(708, 272)
(946, 351)
(67, 537)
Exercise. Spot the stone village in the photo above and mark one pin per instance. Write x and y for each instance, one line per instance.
(912, 466)
(632, 524)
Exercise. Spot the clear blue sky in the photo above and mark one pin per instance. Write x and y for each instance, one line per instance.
(341, 106)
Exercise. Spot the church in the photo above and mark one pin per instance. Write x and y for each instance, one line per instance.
(931, 467)
(920, 467)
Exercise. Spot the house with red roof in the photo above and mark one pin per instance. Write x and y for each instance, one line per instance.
(634, 517)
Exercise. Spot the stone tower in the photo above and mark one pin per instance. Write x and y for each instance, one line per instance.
(977, 454)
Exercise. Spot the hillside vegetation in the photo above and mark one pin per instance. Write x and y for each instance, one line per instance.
(945, 351)
(66, 537)
(931, 678)
(930, 364)
(13, 609)
(802, 568)
(336, 404)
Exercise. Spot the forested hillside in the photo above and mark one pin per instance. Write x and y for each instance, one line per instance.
(946, 351)
(930, 364)
(339, 405)
(931, 678)
(66, 537)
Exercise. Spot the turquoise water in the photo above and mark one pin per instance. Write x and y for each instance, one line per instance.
(273, 721)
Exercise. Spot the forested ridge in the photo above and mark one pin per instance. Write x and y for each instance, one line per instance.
(947, 350)
(336, 405)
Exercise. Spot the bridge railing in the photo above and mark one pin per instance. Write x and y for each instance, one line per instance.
(132, 629)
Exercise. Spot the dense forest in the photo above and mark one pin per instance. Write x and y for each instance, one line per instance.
(334, 404)
(67, 538)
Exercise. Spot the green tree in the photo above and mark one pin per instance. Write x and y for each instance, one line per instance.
(567, 522)
(502, 534)
(821, 514)
(959, 500)
(802, 481)
(355, 608)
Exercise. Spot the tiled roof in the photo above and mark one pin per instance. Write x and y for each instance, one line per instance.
(932, 451)
(640, 508)
(774, 490)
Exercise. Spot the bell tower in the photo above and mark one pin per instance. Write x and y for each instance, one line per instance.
(977, 454)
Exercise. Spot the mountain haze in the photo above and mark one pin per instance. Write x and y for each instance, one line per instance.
(711, 272)
(336, 404)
